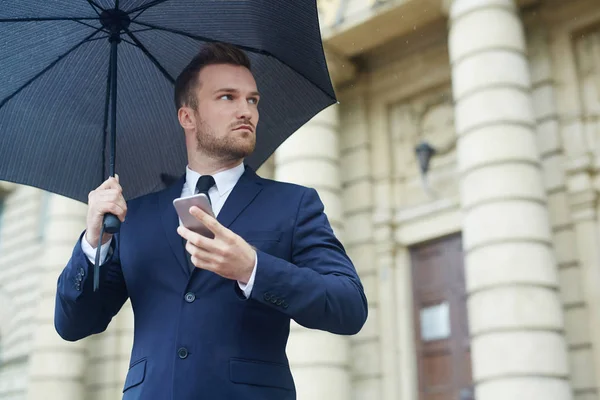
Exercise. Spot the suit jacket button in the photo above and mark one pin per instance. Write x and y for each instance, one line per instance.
(190, 297)
(284, 305)
(182, 353)
(267, 296)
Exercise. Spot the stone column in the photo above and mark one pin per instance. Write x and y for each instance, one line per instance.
(267, 169)
(57, 367)
(516, 320)
(310, 157)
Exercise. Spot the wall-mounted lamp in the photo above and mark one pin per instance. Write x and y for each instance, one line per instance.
(424, 153)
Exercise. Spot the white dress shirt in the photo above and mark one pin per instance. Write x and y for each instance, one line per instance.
(224, 183)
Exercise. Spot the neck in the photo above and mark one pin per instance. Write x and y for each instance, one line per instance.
(205, 165)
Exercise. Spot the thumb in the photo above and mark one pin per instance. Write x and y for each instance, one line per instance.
(117, 177)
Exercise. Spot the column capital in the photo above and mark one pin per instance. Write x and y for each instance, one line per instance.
(458, 8)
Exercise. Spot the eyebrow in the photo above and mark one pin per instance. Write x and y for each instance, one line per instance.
(231, 90)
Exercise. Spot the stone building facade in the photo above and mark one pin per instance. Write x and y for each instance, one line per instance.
(483, 279)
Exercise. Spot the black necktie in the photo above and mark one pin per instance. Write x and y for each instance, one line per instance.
(205, 182)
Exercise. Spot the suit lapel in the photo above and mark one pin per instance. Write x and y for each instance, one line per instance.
(170, 221)
(245, 190)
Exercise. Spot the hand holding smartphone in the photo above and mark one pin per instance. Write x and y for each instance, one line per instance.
(182, 206)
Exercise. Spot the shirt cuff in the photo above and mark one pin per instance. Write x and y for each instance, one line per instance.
(247, 287)
(90, 251)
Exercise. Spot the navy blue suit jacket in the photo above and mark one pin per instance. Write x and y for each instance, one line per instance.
(196, 335)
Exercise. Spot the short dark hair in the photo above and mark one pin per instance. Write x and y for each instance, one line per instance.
(211, 53)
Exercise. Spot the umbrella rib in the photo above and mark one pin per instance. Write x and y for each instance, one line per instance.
(142, 30)
(143, 48)
(40, 19)
(95, 6)
(249, 49)
(93, 27)
(49, 67)
(107, 37)
(197, 37)
(146, 6)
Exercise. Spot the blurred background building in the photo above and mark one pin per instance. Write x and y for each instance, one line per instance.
(483, 273)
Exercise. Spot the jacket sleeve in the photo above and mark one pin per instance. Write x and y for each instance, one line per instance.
(319, 288)
(79, 311)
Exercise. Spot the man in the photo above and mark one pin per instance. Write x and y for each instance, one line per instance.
(212, 316)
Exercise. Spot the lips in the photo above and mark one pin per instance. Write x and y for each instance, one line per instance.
(247, 127)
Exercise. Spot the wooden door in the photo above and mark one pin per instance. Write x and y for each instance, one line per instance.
(441, 322)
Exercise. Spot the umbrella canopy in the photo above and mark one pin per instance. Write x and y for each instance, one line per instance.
(57, 113)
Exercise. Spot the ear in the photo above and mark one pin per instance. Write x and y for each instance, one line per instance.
(186, 117)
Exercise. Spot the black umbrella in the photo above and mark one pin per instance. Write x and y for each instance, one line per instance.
(85, 83)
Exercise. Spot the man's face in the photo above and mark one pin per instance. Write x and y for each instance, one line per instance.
(227, 113)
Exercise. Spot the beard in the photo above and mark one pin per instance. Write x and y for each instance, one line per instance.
(230, 147)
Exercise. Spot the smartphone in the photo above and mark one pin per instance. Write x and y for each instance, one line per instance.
(182, 206)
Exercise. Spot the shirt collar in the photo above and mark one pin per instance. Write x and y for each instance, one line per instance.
(224, 180)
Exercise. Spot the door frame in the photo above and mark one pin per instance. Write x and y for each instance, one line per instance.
(426, 223)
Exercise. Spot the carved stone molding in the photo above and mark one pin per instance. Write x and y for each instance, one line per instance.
(341, 69)
(582, 193)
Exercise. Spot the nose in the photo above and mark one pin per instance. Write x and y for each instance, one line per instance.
(244, 111)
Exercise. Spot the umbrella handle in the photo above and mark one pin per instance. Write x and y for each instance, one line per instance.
(112, 224)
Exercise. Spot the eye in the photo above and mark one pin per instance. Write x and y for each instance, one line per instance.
(253, 100)
(226, 97)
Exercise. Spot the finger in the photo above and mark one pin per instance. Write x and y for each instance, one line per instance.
(203, 258)
(196, 239)
(110, 183)
(210, 222)
(114, 196)
(112, 208)
(109, 195)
